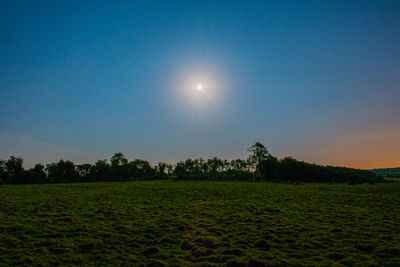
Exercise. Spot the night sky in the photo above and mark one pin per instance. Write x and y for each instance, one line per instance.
(317, 80)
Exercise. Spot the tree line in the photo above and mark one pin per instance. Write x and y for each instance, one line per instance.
(260, 165)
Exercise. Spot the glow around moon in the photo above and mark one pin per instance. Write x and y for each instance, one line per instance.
(198, 90)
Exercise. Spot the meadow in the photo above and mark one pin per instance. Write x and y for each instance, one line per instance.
(200, 223)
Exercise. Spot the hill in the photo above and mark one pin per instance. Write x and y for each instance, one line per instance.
(388, 172)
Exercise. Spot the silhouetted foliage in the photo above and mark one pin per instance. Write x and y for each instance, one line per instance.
(36, 175)
(162, 170)
(259, 166)
(62, 172)
(3, 172)
(83, 171)
(119, 166)
(101, 171)
(268, 167)
(292, 170)
(258, 153)
(15, 170)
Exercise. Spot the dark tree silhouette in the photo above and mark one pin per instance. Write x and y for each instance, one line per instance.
(119, 166)
(36, 175)
(258, 153)
(101, 171)
(161, 170)
(83, 171)
(260, 165)
(15, 170)
(3, 172)
(268, 167)
(62, 172)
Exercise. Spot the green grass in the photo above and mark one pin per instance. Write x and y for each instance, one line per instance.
(392, 179)
(200, 223)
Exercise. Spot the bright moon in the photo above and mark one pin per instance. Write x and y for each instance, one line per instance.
(199, 87)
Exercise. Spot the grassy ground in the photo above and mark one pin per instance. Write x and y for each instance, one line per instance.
(392, 179)
(204, 223)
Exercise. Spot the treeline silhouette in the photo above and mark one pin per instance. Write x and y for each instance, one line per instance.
(259, 166)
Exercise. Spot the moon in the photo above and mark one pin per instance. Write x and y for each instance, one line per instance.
(199, 86)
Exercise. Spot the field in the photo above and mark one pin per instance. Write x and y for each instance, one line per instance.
(200, 223)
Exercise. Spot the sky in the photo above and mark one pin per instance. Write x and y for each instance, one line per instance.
(316, 80)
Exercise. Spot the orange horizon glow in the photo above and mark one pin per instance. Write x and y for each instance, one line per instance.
(369, 150)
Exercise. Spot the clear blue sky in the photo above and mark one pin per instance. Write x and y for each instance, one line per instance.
(318, 80)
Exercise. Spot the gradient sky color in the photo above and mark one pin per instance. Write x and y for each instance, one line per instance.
(317, 80)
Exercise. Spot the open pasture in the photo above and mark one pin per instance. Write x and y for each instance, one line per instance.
(199, 223)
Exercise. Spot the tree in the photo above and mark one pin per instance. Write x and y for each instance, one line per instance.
(15, 170)
(101, 171)
(180, 170)
(3, 172)
(119, 166)
(288, 169)
(161, 169)
(239, 169)
(169, 169)
(258, 153)
(239, 164)
(215, 165)
(268, 167)
(62, 172)
(83, 171)
(118, 159)
(36, 174)
(141, 170)
(259, 165)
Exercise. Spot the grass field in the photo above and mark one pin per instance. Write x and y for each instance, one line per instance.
(200, 223)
